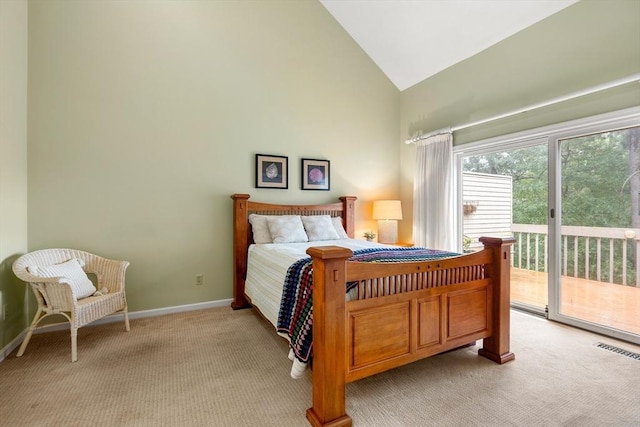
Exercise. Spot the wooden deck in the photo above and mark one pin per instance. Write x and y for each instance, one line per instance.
(615, 306)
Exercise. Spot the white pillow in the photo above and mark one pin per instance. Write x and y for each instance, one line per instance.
(70, 270)
(286, 229)
(319, 227)
(337, 224)
(260, 228)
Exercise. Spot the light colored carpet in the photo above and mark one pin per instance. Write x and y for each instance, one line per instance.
(218, 367)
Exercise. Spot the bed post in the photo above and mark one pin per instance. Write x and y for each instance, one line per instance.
(329, 337)
(349, 214)
(240, 249)
(496, 347)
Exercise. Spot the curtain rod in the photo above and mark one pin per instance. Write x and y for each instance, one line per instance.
(594, 89)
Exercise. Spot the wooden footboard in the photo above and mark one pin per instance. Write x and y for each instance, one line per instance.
(403, 312)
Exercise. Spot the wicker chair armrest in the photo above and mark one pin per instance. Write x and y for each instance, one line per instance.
(58, 294)
(109, 273)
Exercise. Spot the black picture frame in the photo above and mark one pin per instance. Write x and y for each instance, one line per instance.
(272, 171)
(316, 174)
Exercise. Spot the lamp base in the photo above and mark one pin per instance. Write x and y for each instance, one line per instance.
(388, 231)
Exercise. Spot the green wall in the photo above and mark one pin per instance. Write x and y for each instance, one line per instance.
(585, 45)
(145, 116)
(13, 165)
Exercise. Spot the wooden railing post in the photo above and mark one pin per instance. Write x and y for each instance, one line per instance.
(496, 347)
(329, 337)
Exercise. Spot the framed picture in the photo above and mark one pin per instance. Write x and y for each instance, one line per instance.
(272, 171)
(315, 174)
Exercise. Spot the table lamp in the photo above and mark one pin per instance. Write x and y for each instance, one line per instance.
(387, 212)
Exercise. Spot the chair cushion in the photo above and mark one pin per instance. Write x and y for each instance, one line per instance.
(70, 270)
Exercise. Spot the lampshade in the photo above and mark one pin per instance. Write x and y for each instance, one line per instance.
(387, 209)
(387, 212)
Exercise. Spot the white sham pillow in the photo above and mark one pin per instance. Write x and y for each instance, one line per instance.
(286, 229)
(260, 228)
(337, 225)
(319, 227)
(70, 270)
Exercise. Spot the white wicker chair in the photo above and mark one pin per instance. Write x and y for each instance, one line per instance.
(55, 295)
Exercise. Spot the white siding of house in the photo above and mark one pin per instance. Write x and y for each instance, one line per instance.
(493, 215)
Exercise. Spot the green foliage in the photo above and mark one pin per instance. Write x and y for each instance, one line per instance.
(593, 187)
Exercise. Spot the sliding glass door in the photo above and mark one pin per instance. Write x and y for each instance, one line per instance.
(570, 196)
(598, 189)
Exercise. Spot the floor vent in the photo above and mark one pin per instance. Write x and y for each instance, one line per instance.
(619, 350)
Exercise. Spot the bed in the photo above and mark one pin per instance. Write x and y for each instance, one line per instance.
(400, 312)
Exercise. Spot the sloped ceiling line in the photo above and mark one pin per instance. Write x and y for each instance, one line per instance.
(411, 40)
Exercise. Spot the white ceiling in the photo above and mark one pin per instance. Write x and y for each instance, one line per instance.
(411, 40)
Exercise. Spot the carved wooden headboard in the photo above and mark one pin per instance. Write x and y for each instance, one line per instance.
(243, 236)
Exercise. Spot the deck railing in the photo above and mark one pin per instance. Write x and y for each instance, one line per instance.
(595, 253)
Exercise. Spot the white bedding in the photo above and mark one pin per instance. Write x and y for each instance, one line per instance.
(267, 267)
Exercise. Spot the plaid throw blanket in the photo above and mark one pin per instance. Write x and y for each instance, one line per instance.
(296, 308)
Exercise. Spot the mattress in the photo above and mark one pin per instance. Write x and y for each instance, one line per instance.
(267, 267)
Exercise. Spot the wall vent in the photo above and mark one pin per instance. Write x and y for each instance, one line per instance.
(618, 350)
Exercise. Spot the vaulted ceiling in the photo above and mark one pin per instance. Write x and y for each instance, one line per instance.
(411, 40)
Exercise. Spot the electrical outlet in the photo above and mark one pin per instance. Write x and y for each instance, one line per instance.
(199, 279)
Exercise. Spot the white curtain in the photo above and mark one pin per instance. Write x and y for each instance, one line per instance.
(433, 219)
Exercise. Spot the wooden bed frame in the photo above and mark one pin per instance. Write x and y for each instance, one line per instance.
(404, 311)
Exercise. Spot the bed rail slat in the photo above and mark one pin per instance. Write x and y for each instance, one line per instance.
(392, 284)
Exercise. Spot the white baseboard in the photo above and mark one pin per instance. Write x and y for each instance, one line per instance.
(118, 317)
